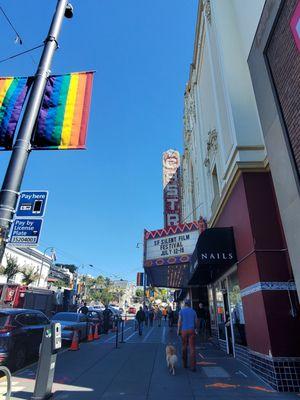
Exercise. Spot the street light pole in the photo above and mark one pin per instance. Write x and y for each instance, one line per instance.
(44, 255)
(21, 149)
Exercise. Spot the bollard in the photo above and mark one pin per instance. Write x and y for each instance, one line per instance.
(117, 332)
(7, 373)
(122, 335)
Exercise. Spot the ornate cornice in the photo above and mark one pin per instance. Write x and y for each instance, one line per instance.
(207, 10)
(211, 146)
(212, 140)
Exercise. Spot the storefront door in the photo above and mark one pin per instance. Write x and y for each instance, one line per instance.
(229, 314)
(223, 314)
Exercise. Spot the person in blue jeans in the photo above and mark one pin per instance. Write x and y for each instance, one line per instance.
(187, 324)
(140, 317)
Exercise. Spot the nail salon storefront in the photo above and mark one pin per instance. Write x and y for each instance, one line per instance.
(214, 265)
(242, 264)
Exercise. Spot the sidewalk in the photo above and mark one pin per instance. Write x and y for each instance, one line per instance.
(137, 371)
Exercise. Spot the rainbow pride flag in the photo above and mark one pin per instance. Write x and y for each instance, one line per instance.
(12, 96)
(63, 118)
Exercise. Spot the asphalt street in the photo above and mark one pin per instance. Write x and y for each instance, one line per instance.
(137, 371)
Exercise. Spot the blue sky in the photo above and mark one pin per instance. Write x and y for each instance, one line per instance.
(101, 199)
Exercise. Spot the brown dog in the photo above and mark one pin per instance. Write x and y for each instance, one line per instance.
(171, 358)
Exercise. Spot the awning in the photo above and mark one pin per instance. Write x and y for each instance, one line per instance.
(214, 254)
(180, 295)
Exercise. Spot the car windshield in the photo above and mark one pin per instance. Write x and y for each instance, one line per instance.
(65, 317)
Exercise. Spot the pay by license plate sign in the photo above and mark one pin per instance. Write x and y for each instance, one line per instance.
(26, 231)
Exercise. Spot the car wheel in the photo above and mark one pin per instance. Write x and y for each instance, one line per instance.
(19, 358)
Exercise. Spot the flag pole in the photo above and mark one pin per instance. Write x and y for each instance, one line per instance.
(15, 171)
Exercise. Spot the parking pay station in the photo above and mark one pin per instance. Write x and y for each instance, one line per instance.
(50, 345)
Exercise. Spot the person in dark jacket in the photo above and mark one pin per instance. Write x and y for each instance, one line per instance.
(170, 317)
(84, 309)
(151, 316)
(140, 317)
(106, 319)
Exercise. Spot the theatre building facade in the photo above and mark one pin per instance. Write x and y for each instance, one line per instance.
(241, 265)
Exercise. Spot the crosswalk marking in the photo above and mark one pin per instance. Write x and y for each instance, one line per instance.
(134, 333)
(148, 334)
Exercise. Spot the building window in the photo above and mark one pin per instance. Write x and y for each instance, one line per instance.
(220, 311)
(236, 310)
(212, 313)
(216, 192)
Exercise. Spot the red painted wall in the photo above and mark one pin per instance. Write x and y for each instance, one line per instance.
(253, 213)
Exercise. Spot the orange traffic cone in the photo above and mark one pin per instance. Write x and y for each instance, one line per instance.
(90, 337)
(75, 341)
(96, 333)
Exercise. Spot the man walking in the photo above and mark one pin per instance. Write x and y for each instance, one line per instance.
(170, 317)
(151, 316)
(106, 319)
(187, 323)
(202, 317)
(140, 317)
(164, 313)
(84, 309)
(159, 317)
(146, 311)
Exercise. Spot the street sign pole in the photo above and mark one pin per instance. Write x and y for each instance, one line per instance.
(21, 149)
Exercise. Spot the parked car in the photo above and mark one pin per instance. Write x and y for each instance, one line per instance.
(96, 316)
(132, 310)
(116, 312)
(101, 308)
(21, 332)
(71, 321)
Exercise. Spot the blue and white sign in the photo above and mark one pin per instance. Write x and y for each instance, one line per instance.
(32, 204)
(26, 231)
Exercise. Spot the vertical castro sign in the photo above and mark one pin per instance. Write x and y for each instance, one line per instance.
(171, 184)
(28, 223)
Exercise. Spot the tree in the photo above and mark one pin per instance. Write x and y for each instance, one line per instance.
(139, 292)
(59, 283)
(29, 276)
(117, 294)
(71, 267)
(161, 294)
(12, 268)
(105, 296)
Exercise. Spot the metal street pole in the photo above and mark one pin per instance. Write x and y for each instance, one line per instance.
(20, 153)
(44, 255)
